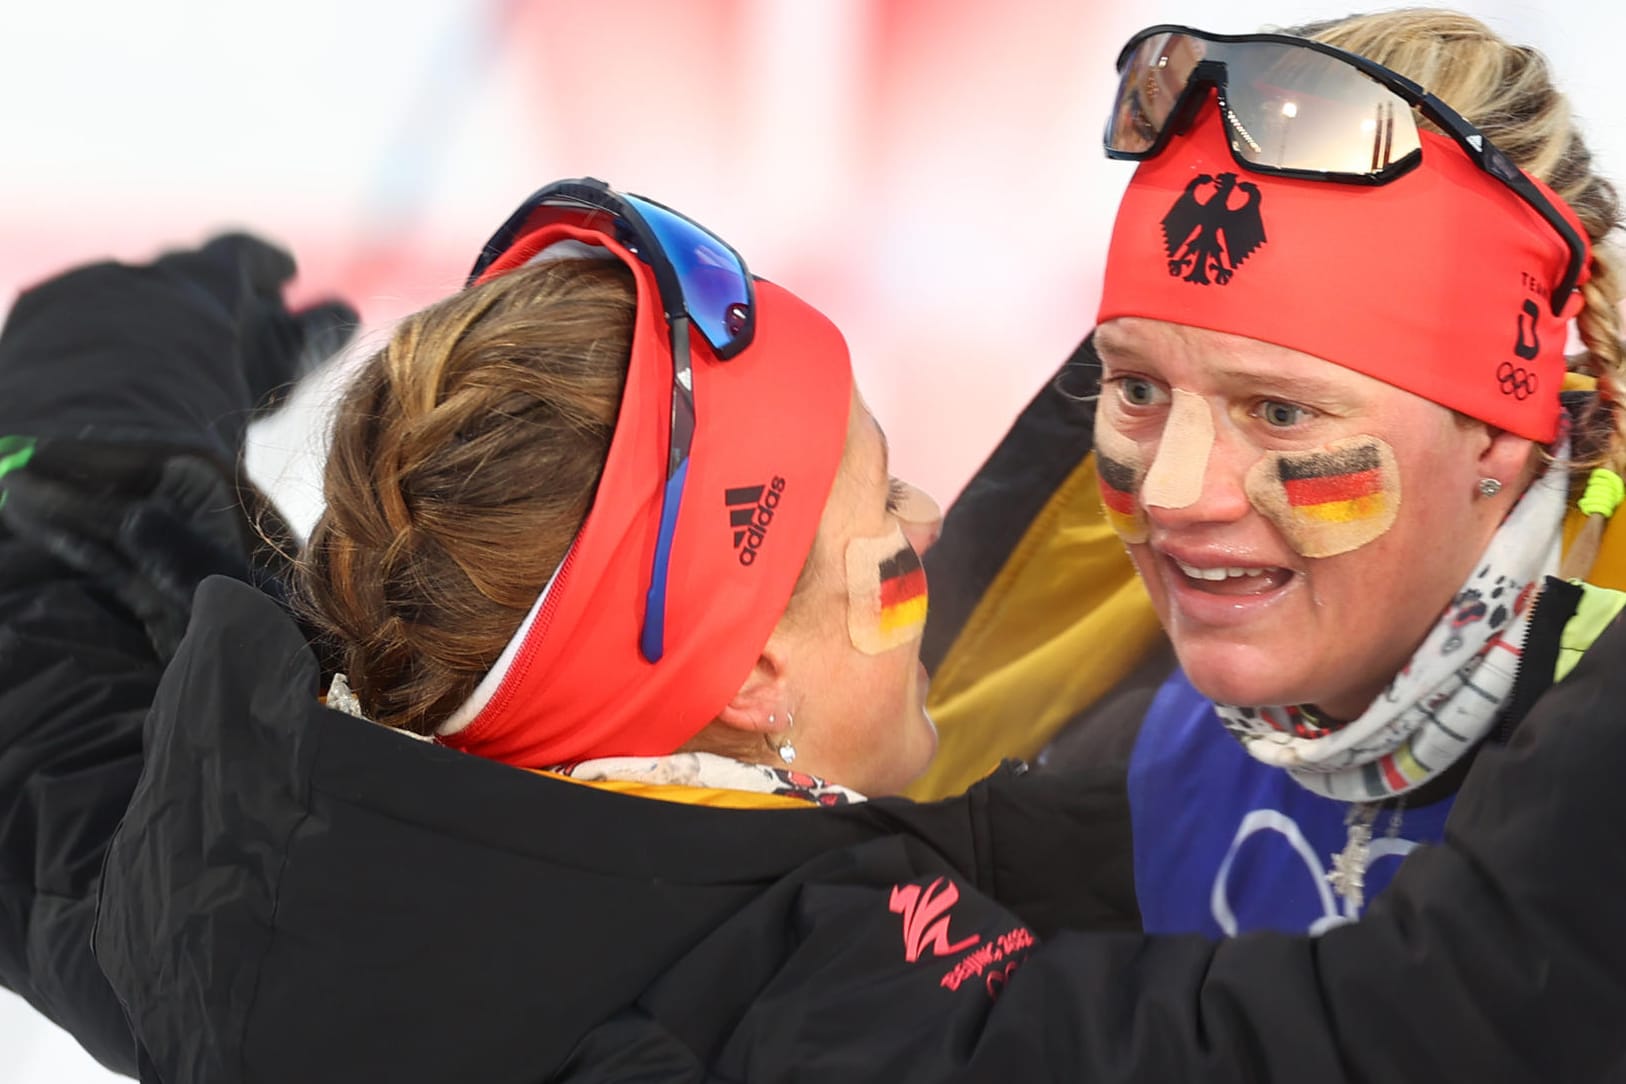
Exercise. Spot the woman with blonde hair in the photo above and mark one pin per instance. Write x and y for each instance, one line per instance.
(1332, 344)
(1327, 412)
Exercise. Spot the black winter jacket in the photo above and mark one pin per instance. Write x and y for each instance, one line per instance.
(297, 895)
(292, 894)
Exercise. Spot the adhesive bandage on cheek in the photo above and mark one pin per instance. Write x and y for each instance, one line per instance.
(1329, 501)
(886, 593)
(1118, 470)
(1175, 478)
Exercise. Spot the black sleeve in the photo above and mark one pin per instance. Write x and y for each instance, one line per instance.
(1498, 955)
(124, 395)
(76, 676)
(101, 550)
(1495, 956)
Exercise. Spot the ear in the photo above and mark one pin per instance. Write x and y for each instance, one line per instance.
(759, 706)
(1508, 458)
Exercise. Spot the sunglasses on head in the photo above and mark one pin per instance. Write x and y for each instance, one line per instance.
(1300, 108)
(703, 283)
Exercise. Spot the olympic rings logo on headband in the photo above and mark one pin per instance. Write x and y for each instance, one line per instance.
(1516, 380)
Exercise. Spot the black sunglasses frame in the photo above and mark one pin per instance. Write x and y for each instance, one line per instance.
(633, 231)
(1479, 149)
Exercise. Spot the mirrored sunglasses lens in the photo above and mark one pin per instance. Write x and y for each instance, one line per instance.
(716, 287)
(1149, 87)
(1293, 108)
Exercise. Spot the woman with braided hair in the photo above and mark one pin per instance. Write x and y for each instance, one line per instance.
(613, 519)
(465, 459)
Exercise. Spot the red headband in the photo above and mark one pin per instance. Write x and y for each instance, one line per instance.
(770, 430)
(1436, 282)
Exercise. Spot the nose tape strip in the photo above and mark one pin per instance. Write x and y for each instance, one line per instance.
(1329, 501)
(1175, 479)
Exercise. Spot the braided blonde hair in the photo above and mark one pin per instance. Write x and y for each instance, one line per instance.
(464, 458)
(1507, 91)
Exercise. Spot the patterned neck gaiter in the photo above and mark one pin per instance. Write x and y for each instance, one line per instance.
(1449, 696)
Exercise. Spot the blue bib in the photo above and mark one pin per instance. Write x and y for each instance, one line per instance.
(1225, 844)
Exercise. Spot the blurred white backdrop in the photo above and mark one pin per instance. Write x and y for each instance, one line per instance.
(926, 171)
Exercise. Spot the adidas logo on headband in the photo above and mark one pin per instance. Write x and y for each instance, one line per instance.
(751, 510)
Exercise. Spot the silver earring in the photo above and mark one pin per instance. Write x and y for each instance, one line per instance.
(1489, 487)
(786, 750)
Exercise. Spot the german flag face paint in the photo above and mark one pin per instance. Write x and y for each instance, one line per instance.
(1119, 472)
(886, 593)
(1328, 501)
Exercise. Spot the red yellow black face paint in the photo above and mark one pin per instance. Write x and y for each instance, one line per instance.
(886, 593)
(1331, 500)
(1118, 469)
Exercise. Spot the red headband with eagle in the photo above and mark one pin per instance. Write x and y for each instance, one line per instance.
(1437, 282)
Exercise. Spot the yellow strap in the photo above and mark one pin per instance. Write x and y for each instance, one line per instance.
(673, 792)
(1064, 621)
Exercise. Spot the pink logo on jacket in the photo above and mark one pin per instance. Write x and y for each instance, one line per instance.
(926, 919)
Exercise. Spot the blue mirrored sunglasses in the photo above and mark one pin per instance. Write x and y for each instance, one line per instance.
(702, 283)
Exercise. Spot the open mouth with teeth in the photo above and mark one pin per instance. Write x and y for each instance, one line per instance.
(1232, 579)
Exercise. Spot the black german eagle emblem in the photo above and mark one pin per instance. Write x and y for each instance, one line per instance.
(1209, 237)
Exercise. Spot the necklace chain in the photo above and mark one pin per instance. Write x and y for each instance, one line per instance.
(1348, 874)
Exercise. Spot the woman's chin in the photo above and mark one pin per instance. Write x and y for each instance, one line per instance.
(1240, 677)
(912, 763)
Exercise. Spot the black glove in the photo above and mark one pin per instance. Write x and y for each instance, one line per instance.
(175, 356)
(147, 534)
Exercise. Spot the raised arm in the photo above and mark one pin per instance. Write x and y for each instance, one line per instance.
(124, 395)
